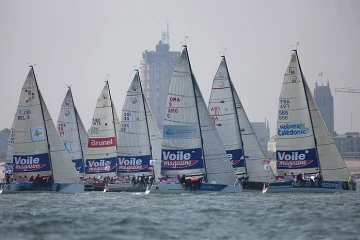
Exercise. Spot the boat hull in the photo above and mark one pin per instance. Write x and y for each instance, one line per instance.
(97, 187)
(14, 188)
(205, 188)
(124, 187)
(254, 186)
(325, 187)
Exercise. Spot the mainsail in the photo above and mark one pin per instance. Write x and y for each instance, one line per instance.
(235, 130)
(101, 152)
(134, 148)
(72, 131)
(191, 144)
(38, 148)
(304, 142)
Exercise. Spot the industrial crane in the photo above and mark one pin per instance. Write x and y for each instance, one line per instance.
(348, 89)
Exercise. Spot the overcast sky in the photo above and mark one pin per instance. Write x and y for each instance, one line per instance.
(80, 42)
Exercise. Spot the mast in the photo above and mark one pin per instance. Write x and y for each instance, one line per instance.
(77, 126)
(236, 113)
(42, 114)
(113, 118)
(147, 124)
(197, 112)
(308, 107)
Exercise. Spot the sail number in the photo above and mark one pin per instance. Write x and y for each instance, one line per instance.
(283, 115)
(127, 116)
(124, 126)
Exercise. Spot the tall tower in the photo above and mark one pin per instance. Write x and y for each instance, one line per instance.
(325, 102)
(156, 72)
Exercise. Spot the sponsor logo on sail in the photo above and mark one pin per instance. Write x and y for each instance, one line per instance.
(37, 134)
(221, 75)
(295, 159)
(293, 129)
(177, 159)
(236, 158)
(132, 164)
(170, 132)
(30, 94)
(67, 103)
(31, 163)
(99, 166)
(134, 100)
(101, 142)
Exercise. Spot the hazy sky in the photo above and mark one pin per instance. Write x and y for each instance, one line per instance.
(80, 42)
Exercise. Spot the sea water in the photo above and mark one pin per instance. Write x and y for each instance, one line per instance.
(98, 215)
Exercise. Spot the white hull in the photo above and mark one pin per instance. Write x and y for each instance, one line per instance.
(63, 188)
(124, 187)
(205, 188)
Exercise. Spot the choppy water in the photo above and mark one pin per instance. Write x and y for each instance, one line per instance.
(98, 215)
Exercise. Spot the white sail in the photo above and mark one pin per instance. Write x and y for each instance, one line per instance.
(69, 130)
(295, 145)
(101, 152)
(10, 148)
(222, 110)
(255, 157)
(155, 139)
(332, 165)
(134, 148)
(38, 148)
(229, 117)
(182, 146)
(62, 166)
(83, 133)
(217, 164)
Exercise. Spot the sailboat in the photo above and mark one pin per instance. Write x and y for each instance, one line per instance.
(191, 144)
(134, 148)
(38, 149)
(236, 132)
(304, 144)
(72, 132)
(101, 152)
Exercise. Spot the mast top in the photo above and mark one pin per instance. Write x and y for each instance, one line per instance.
(184, 43)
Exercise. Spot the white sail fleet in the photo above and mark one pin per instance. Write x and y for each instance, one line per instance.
(203, 149)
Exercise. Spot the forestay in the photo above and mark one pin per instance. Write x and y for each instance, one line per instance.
(295, 145)
(181, 148)
(134, 148)
(101, 153)
(72, 131)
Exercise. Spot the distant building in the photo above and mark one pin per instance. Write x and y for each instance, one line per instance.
(348, 142)
(156, 72)
(325, 102)
(271, 147)
(262, 133)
